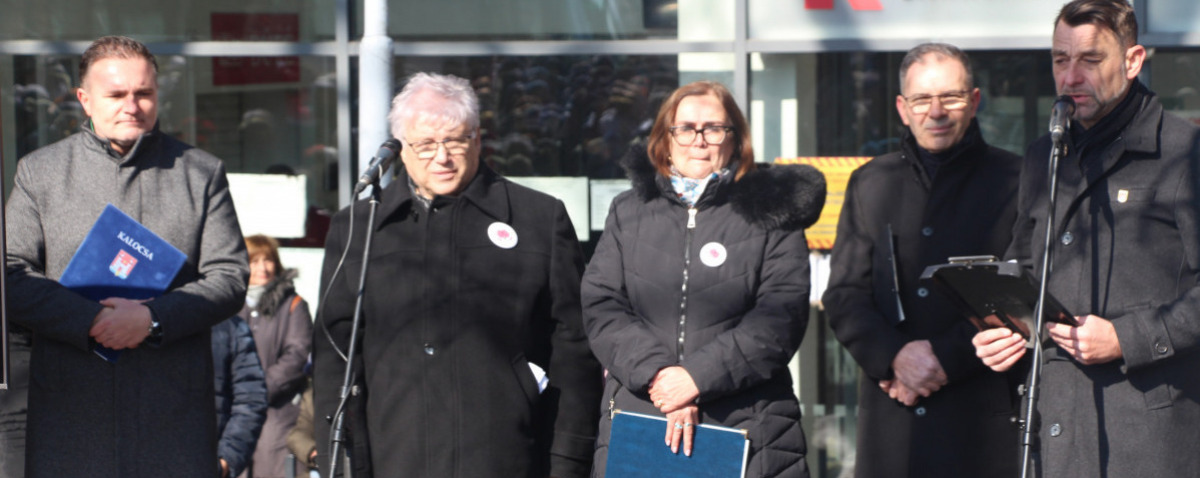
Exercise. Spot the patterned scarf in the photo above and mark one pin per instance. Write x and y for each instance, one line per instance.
(689, 190)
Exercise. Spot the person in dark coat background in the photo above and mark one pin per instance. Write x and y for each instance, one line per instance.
(1120, 391)
(282, 328)
(697, 296)
(87, 416)
(241, 395)
(471, 305)
(928, 407)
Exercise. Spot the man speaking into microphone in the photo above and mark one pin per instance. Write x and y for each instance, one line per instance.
(473, 355)
(1121, 392)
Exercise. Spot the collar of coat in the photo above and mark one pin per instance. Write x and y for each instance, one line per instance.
(487, 191)
(971, 146)
(278, 289)
(104, 146)
(788, 197)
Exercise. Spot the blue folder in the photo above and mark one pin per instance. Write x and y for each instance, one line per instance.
(636, 450)
(121, 258)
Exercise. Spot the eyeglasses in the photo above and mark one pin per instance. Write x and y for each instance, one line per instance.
(954, 100)
(713, 134)
(455, 147)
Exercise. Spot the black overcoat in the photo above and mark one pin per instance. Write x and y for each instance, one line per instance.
(964, 429)
(652, 299)
(452, 321)
(1126, 248)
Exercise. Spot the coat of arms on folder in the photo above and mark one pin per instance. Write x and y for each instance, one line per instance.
(119, 257)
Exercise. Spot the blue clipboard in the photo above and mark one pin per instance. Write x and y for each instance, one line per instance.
(636, 450)
(119, 257)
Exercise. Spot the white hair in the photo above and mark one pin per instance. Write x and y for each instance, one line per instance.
(460, 104)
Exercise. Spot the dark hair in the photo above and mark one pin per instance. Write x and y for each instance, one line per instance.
(259, 244)
(659, 145)
(1115, 15)
(114, 47)
(946, 50)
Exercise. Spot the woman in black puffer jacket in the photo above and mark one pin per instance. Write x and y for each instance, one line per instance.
(697, 295)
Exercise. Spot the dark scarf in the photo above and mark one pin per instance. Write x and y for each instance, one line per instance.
(1110, 126)
(932, 161)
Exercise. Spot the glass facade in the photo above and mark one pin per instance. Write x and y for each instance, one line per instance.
(566, 88)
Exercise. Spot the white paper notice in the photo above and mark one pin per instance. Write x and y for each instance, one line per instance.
(272, 204)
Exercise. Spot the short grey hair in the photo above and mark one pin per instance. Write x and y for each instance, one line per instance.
(461, 105)
(944, 50)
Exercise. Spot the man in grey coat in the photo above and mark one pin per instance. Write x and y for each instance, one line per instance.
(150, 413)
(1121, 392)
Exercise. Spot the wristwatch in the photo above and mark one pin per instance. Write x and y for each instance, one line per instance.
(155, 330)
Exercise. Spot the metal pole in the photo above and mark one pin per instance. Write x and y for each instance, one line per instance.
(374, 81)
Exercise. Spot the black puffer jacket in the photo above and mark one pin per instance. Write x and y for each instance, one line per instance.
(736, 322)
(241, 393)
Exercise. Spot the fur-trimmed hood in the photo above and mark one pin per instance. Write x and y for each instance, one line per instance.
(787, 197)
(275, 292)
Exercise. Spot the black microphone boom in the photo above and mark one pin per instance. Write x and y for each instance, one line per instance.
(383, 159)
(1060, 117)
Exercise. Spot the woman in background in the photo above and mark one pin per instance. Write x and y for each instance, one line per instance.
(697, 296)
(282, 330)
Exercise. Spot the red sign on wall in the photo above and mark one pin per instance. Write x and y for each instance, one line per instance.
(255, 27)
(854, 4)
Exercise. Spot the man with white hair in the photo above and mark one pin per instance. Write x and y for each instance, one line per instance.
(473, 357)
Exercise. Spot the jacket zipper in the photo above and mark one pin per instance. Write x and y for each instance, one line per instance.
(687, 261)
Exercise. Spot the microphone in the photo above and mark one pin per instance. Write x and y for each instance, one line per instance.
(383, 158)
(1060, 117)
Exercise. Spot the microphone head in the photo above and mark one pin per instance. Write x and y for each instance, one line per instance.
(1060, 116)
(1065, 101)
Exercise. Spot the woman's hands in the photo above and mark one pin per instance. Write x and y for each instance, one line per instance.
(673, 389)
(681, 427)
(674, 393)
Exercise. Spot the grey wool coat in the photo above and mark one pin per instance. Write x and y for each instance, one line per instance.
(1126, 248)
(151, 413)
(745, 314)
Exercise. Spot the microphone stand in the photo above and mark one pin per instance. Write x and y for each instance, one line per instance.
(338, 430)
(1030, 425)
(3, 278)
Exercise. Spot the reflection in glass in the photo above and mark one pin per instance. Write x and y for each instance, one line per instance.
(154, 21)
(559, 115)
(287, 127)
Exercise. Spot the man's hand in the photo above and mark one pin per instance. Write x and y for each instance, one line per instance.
(1093, 342)
(224, 468)
(999, 348)
(899, 392)
(673, 389)
(918, 368)
(121, 324)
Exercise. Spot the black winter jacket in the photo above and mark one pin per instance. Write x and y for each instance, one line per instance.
(452, 318)
(968, 208)
(736, 321)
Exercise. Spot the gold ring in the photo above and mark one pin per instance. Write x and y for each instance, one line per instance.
(658, 403)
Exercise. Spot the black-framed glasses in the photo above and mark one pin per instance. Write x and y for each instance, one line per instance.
(713, 134)
(455, 147)
(951, 100)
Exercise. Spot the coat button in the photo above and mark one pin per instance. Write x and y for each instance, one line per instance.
(927, 231)
(1161, 348)
(922, 292)
(1055, 430)
(1068, 238)
(920, 411)
(429, 350)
